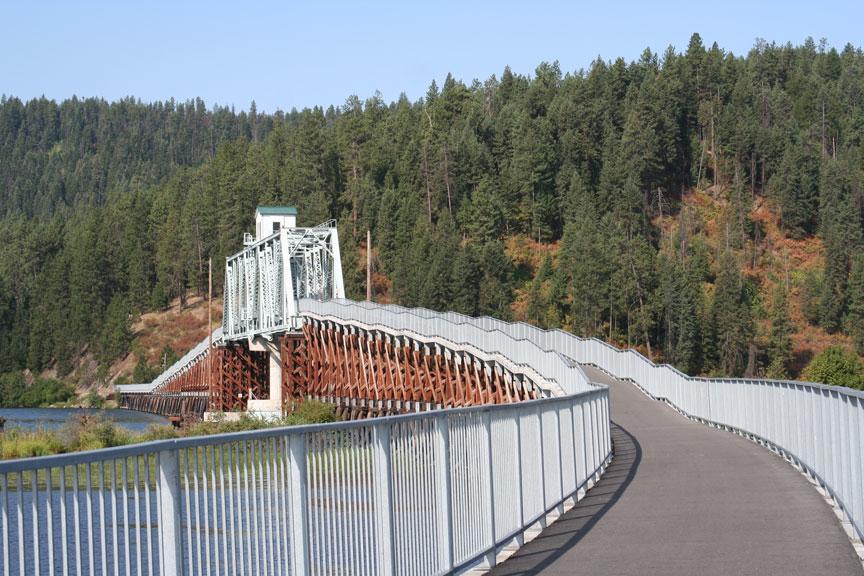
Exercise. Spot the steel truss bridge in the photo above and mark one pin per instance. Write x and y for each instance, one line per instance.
(463, 440)
(261, 297)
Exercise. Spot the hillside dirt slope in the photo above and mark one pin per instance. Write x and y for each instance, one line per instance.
(767, 257)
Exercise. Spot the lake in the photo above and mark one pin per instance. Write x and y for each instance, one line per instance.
(54, 418)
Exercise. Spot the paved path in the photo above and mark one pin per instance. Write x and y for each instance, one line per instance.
(681, 498)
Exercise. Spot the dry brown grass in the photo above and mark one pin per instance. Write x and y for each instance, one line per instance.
(181, 328)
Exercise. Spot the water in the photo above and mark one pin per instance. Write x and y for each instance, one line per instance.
(55, 418)
(107, 532)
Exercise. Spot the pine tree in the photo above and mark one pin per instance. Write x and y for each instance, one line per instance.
(585, 262)
(353, 267)
(731, 318)
(436, 287)
(780, 346)
(496, 284)
(482, 216)
(467, 275)
(841, 232)
(796, 186)
(833, 297)
(855, 314)
(116, 335)
(538, 304)
(682, 299)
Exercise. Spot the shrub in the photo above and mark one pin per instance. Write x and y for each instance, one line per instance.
(90, 432)
(143, 372)
(158, 432)
(223, 426)
(14, 391)
(836, 366)
(93, 399)
(311, 412)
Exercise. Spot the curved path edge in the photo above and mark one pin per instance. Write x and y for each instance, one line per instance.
(681, 498)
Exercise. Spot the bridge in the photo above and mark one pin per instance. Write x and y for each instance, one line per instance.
(469, 445)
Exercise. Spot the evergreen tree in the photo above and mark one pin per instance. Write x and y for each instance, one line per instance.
(585, 263)
(466, 281)
(796, 187)
(731, 319)
(116, 334)
(144, 373)
(681, 294)
(841, 232)
(437, 279)
(482, 216)
(538, 305)
(855, 314)
(496, 282)
(780, 346)
(833, 296)
(97, 217)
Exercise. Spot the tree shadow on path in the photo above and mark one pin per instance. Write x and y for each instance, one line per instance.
(570, 528)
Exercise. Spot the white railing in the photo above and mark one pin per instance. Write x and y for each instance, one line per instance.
(428, 493)
(519, 349)
(819, 428)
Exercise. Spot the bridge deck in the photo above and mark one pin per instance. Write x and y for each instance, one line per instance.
(683, 498)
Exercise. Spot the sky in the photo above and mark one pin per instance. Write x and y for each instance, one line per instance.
(287, 55)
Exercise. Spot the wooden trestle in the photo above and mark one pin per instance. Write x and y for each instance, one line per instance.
(372, 372)
(363, 372)
(166, 404)
(236, 374)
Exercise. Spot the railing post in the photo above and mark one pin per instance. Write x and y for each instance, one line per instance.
(560, 460)
(444, 494)
(299, 499)
(487, 428)
(168, 463)
(536, 415)
(520, 499)
(384, 500)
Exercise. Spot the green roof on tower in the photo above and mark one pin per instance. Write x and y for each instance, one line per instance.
(277, 210)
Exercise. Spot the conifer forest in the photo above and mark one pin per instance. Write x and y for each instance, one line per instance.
(704, 207)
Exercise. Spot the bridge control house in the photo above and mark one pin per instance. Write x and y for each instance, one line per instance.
(271, 219)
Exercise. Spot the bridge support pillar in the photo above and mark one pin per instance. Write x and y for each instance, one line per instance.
(272, 406)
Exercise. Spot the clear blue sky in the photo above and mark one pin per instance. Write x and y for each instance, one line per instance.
(286, 54)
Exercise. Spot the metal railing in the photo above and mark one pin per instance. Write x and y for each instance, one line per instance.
(518, 348)
(428, 493)
(819, 428)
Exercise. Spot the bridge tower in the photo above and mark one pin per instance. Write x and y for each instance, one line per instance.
(277, 266)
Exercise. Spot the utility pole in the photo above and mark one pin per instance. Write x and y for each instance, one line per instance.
(210, 327)
(368, 266)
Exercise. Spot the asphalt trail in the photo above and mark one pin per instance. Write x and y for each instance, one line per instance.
(681, 498)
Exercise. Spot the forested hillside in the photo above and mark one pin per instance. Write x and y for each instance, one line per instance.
(705, 207)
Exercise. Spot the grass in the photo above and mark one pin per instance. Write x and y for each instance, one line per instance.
(236, 463)
(92, 432)
(232, 465)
